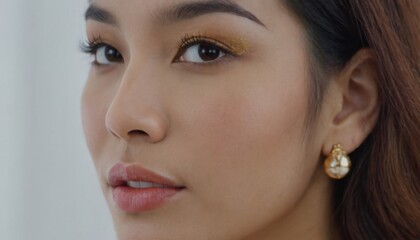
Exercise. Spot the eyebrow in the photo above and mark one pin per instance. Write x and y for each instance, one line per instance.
(179, 12)
(99, 14)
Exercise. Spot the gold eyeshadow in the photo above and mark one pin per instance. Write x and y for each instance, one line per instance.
(234, 46)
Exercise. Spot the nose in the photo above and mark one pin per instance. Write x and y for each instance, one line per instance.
(136, 110)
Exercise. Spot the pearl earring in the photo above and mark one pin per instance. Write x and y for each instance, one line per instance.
(337, 165)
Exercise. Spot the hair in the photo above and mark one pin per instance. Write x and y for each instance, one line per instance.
(380, 199)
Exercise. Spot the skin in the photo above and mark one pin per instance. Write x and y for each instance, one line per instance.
(232, 133)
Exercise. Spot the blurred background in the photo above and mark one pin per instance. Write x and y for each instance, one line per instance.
(48, 185)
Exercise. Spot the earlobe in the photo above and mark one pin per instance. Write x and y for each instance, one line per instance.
(358, 101)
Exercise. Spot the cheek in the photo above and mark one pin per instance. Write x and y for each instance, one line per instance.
(94, 104)
(247, 142)
(254, 122)
(245, 151)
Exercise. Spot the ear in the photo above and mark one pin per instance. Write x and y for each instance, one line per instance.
(353, 96)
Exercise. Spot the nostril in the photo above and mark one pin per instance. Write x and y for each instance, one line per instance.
(137, 132)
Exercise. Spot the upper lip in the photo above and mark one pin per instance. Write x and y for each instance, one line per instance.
(120, 174)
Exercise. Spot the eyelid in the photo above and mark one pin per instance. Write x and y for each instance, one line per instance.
(91, 47)
(234, 47)
(189, 41)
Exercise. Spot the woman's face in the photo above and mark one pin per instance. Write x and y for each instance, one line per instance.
(212, 99)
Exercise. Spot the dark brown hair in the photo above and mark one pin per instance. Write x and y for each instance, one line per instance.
(380, 199)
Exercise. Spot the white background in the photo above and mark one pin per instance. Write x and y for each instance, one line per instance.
(48, 185)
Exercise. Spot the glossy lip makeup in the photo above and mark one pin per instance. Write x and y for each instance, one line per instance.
(136, 190)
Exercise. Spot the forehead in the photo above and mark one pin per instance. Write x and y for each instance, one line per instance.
(169, 11)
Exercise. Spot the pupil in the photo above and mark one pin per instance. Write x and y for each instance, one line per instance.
(112, 54)
(208, 53)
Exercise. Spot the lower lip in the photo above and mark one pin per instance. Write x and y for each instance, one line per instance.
(136, 200)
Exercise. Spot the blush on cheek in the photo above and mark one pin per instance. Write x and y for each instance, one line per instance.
(247, 138)
(236, 122)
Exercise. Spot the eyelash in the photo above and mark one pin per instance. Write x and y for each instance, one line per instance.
(91, 46)
(191, 40)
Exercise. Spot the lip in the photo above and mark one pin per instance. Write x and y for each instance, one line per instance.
(137, 200)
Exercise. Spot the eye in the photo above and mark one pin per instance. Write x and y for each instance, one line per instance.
(201, 49)
(106, 55)
(202, 53)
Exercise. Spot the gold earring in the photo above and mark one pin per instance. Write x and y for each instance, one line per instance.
(337, 165)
